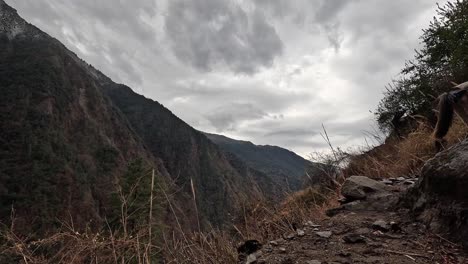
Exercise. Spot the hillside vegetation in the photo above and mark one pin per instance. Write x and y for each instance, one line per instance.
(92, 172)
(287, 169)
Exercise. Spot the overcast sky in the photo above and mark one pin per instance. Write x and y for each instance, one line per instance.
(268, 71)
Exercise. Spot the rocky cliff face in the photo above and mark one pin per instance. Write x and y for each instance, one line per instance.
(440, 197)
(67, 134)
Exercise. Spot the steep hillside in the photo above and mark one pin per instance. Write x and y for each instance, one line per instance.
(63, 143)
(68, 132)
(188, 155)
(285, 167)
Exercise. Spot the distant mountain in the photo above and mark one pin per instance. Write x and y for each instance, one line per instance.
(286, 168)
(68, 135)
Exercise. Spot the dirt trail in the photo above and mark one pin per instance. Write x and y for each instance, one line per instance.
(367, 229)
(408, 242)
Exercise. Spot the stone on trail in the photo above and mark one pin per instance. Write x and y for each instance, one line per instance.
(353, 238)
(251, 259)
(360, 187)
(387, 182)
(249, 247)
(289, 236)
(300, 232)
(324, 234)
(314, 261)
(381, 225)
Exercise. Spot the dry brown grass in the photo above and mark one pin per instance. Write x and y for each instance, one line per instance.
(70, 246)
(261, 221)
(269, 222)
(200, 248)
(403, 157)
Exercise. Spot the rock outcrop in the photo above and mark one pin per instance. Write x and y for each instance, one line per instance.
(362, 194)
(361, 187)
(440, 197)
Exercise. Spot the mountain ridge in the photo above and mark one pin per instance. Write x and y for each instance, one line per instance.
(284, 166)
(70, 133)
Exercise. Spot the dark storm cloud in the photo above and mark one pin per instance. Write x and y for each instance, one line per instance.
(213, 33)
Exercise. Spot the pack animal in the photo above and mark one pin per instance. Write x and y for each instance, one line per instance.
(455, 101)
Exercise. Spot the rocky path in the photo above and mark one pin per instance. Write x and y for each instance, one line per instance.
(357, 234)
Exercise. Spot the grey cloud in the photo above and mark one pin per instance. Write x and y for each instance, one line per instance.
(225, 117)
(328, 10)
(292, 132)
(197, 57)
(211, 33)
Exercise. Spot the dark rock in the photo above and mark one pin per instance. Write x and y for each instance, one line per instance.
(249, 247)
(440, 197)
(353, 238)
(395, 227)
(408, 182)
(344, 254)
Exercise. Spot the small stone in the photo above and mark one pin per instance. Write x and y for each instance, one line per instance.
(324, 234)
(353, 238)
(315, 229)
(282, 249)
(381, 225)
(274, 243)
(311, 224)
(395, 227)
(408, 182)
(314, 261)
(344, 254)
(401, 178)
(249, 247)
(342, 200)
(387, 182)
(251, 259)
(363, 231)
(300, 232)
(290, 236)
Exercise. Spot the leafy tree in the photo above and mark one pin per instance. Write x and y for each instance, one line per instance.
(443, 58)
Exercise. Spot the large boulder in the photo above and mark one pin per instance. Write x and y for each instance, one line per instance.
(364, 194)
(440, 197)
(361, 188)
